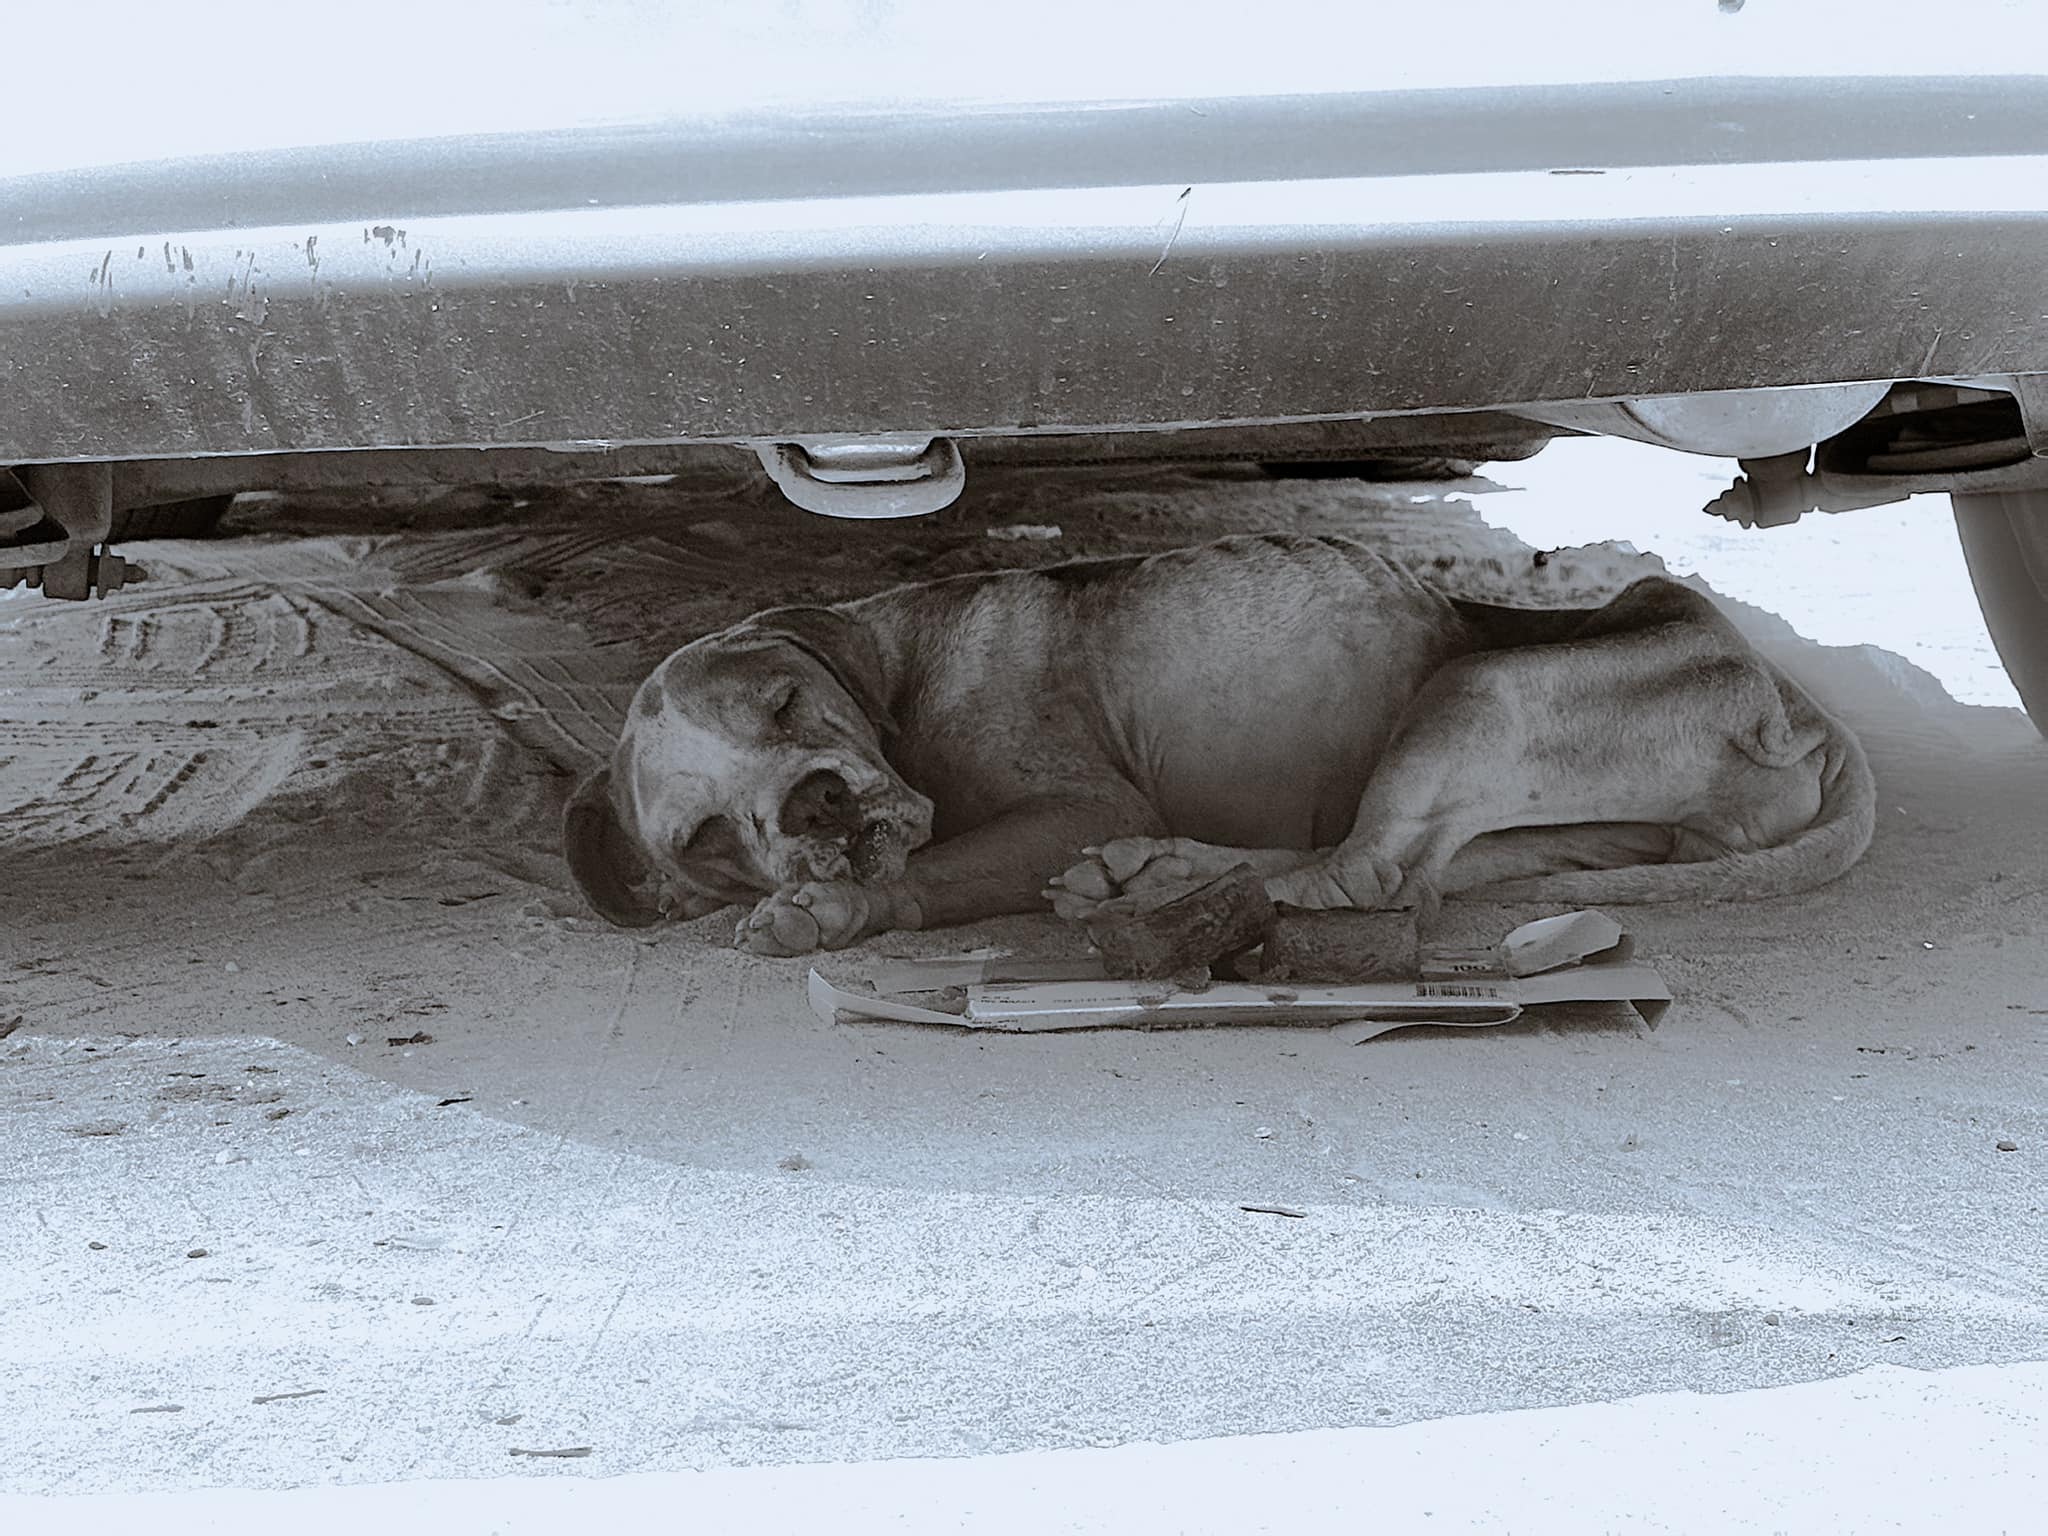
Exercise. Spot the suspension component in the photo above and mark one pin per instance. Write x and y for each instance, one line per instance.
(54, 537)
(1782, 488)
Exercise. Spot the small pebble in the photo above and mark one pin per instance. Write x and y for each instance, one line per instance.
(352, 1038)
(223, 1157)
(1264, 1133)
(195, 1253)
(423, 1301)
(96, 1246)
(2008, 1146)
(1771, 1319)
(275, 1114)
(232, 969)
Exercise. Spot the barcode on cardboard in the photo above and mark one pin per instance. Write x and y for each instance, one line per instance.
(1457, 989)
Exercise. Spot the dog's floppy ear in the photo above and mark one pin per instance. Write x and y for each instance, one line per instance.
(842, 646)
(609, 869)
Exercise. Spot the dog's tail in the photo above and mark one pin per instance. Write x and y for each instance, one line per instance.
(1829, 844)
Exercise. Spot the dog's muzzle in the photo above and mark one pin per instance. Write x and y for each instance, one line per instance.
(835, 816)
(841, 821)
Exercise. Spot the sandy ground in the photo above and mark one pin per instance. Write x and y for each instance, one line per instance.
(344, 1148)
(1891, 1449)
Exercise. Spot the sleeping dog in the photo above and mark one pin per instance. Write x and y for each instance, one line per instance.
(979, 745)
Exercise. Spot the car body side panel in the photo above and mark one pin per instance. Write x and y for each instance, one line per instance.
(1473, 223)
(826, 151)
(1148, 306)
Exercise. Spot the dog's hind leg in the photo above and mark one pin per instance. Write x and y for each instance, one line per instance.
(1524, 853)
(1638, 752)
(1655, 713)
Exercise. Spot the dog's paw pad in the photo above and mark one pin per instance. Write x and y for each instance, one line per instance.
(1069, 906)
(1169, 869)
(1088, 880)
(1125, 857)
(1117, 869)
(778, 926)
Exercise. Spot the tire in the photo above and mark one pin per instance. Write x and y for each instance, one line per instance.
(170, 520)
(2005, 545)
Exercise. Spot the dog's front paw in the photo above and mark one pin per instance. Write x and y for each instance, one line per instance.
(824, 914)
(1128, 866)
(1346, 881)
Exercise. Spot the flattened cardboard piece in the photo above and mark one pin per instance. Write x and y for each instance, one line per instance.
(1600, 980)
(1462, 964)
(892, 976)
(1060, 1005)
(1046, 1006)
(828, 1002)
(1015, 995)
(1361, 1030)
(1570, 938)
(1610, 975)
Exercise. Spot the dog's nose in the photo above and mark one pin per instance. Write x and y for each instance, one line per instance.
(821, 802)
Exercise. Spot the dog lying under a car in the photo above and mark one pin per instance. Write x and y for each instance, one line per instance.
(980, 745)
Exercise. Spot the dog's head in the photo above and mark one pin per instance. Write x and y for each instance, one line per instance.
(751, 759)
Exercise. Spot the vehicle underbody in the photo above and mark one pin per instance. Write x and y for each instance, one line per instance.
(1831, 280)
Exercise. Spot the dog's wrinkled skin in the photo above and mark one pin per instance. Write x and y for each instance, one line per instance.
(947, 751)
